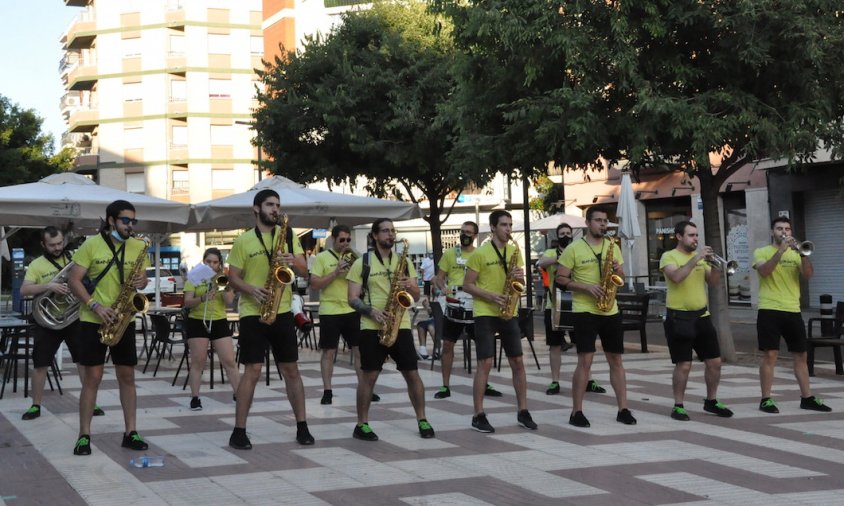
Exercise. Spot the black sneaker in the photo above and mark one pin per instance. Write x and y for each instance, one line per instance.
(481, 424)
(716, 408)
(491, 392)
(442, 393)
(594, 387)
(425, 429)
(326, 397)
(98, 411)
(769, 406)
(303, 436)
(680, 413)
(364, 432)
(32, 413)
(525, 420)
(578, 419)
(566, 346)
(626, 417)
(195, 404)
(134, 441)
(240, 441)
(83, 445)
(553, 388)
(814, 404)
(376, 397)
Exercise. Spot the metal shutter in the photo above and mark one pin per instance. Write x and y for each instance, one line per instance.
(824, 210)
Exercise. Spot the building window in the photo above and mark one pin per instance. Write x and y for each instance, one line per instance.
(136, 183)
(178, 90)
(221, 135)
(177, 45)
(132, 92)
(218, 44)
(256, 45)
(219, 88)
(179, 136)
(132, 47)
(133, 138)
(180, 183)
(222, 179)
(662, 216)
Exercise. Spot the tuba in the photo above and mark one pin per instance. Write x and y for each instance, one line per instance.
(610, 281)
(513, 288)
(397, 303)
(128, 302)
(279, 277)
(55, 311)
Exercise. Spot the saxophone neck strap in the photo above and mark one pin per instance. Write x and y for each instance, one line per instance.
(599, 255)
(114, 257)
(501, 256)
(272, 242)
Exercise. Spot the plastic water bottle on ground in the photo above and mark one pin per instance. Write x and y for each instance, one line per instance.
(147, 461)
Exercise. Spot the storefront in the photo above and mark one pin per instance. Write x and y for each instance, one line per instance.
(662, 216)
(737, 247)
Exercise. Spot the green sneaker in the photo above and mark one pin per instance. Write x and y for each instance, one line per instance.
(553, 388)
(364, 432)
(83, 445)
(768, 406)
(814, 404)
(442, 393)
(32, 413)
(679, 413)
(491, 392)
(98, 411)
(425, 429)
(717, 407)
(595, 387)
(134, 441)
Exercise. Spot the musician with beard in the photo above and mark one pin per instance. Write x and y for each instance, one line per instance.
(39, 280)
(250, 259)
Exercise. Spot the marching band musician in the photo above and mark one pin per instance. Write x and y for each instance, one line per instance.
(580, 271)
(207, 323)
(110, 252)
(39, 280)
(780, 268)
(370, 285)
(688, 325)
(250, 260)
(486, 276)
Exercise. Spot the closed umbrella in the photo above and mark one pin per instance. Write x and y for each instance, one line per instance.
(628, 219)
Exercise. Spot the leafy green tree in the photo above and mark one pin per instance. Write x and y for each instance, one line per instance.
(367, 100)
(659, 84)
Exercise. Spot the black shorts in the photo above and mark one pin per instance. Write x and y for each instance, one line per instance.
(486, 329)
(90, 351)
(219, 328)
(255, 337)
(588, 327)
(47, 342)
(373, 354)
(704, 340)
(332, 326)
(452, 330)
(553, 337)
(771, 325)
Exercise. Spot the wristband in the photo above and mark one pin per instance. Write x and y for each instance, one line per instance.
(94, 306)
(91, 303)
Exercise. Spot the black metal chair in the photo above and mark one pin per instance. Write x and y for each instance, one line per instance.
(162, 337)
(634, 314)
(831, 332)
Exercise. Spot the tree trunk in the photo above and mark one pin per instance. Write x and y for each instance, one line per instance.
(718, 303)
(433, 219)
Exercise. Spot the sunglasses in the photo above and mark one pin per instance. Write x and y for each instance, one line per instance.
(127, 221)
(345, 239)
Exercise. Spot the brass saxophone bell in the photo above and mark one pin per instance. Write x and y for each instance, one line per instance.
(284, 275)
(617, 280)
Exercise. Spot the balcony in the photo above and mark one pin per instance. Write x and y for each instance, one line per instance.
(80, 141)
(83, 77)
(77, 3)
(81, 32)
(177, 108)
(84, 120)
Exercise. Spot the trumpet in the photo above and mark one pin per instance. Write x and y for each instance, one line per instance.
(719, 262)
(805, 248)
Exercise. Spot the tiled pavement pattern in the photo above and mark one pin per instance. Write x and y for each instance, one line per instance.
(796, 457)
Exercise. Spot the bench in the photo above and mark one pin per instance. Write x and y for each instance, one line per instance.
(830, 336)
(634, 314)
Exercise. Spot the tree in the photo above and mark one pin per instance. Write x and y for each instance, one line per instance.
(367, 100)
(26, 153)
(663, 84)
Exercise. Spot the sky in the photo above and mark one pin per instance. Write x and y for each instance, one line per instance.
(30, 49)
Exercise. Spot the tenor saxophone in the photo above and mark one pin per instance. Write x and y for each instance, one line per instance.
(610, 281)
(397, 303)
(128, 303)
(279, 277)
(513, 288)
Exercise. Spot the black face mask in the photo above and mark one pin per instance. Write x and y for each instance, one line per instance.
(563, 242)
(466, 240)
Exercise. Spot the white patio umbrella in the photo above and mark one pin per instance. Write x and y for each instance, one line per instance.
(305, 207)
(628, 218)
(552, 222)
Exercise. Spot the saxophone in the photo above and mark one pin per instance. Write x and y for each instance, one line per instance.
(128, 302)
(55, 311)
(610, 281)
(397, 303)
(513, 288)
(279, 277)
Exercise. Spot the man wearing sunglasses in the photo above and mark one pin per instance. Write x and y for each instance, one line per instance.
(108, 257)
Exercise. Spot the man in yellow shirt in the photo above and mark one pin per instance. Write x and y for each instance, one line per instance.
(580, 272)
(252, 254)
(370, 282)
(486, 275)
(780, 267)
(114, 252)
(688, 325)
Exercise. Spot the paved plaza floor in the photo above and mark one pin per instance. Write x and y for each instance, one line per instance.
(795, 457)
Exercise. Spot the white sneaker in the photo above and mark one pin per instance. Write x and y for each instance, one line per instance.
(423, 353)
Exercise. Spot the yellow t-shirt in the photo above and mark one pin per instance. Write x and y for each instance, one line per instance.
(41, 271)
(691, 294)
(580, 257)
(250, 256)
(94, 255)
(454, 266)
(552, 273)
(216, 306)
(334, 298)
(378, 286)
(491, 274)
(781, 290)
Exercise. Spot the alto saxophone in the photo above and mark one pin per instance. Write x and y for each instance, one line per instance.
(398, 302)
(279, 277)
(513, 288)
(610, 281)
(128, 303)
